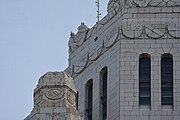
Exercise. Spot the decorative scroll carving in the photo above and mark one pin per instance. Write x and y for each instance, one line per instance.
(77, 40)
(153, 3)
(113, 7)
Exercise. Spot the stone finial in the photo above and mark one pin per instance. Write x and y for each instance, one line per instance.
(82, 27)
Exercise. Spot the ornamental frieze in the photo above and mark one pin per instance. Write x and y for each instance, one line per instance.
(153, 31)
(153, 3)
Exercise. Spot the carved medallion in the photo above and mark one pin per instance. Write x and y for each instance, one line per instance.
(38, 97)
(71, 97)
(54, 93)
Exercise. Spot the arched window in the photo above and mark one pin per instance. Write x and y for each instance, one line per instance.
(167, 79)
(144, 79)
(103, 93)
(89, 99)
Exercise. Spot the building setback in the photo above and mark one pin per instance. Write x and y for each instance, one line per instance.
(126, 67)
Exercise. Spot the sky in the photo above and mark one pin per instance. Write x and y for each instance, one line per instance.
(34, 38)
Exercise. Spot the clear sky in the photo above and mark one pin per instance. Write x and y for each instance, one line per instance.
(33, 40)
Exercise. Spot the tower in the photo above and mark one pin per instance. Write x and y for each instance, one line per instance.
(130, 61)
(55, 98)
(124, 68)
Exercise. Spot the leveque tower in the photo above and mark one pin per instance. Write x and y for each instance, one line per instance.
(126, 67)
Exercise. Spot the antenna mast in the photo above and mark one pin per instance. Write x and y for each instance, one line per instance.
(98, 10)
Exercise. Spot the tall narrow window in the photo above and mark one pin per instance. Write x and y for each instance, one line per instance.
(167, 79)
(77, 100)
(103, 93)
(89, 99)
(144, 79)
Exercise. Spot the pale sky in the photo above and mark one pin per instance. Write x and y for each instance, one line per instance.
(33, 40)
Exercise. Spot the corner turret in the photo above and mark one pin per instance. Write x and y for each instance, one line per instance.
(54, 98)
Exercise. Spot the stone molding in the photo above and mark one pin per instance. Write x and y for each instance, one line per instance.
(161, 31)
(153, 3)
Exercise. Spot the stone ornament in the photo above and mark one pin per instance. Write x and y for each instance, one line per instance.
(113, 7)
(70, 97)
(112, 38)
(139, 3)
(38, 96)
(54, 93)
(167, 3)
(78, 39)
(153, 31)
(153, 3)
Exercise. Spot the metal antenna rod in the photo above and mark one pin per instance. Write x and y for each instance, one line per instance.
(98, 10)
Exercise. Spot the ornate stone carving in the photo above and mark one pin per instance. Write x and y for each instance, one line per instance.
(54, 97)
(71, 97)
(153, 3)
(111, 38)
(153, 31)
(139, 3)
(54, 93)
(38, 96)
(77, 39)
(164, 3)
(113, 7)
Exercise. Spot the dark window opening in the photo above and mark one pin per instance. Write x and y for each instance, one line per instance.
(77, 100)
(145, 80)
(103, 92)
(166, 79)
(89, 99)
(96, 39)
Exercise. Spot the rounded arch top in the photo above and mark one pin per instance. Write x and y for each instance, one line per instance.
(144, 55)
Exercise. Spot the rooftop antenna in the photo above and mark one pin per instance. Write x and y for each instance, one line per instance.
(98, 10)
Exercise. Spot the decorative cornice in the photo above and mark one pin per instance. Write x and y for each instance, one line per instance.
(146, 32)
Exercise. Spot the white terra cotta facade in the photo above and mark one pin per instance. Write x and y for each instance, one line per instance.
(131, 28)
